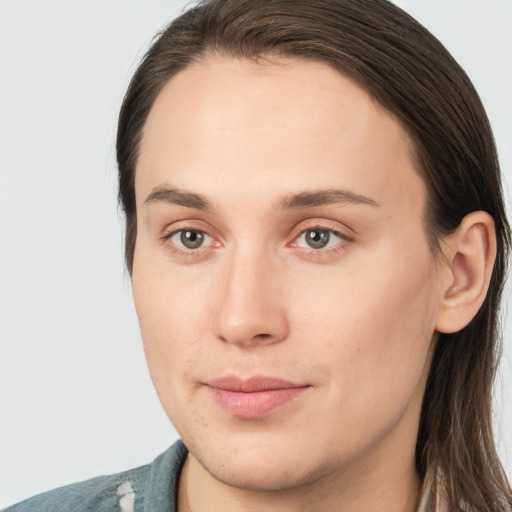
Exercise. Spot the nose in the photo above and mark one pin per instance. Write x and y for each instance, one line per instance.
(251, 310)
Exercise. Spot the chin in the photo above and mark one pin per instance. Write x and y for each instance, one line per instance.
(258, 463)
(268, 475)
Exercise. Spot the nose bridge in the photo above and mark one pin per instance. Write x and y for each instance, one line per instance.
(250, 309)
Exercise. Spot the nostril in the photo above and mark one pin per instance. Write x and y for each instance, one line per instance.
(263, 336)
(250, 341)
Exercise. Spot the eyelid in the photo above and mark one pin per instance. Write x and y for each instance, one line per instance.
(190, 225)
(323, 225)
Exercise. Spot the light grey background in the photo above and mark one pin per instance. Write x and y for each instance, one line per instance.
(76, 398)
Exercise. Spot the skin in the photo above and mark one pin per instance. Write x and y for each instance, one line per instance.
(354, 321)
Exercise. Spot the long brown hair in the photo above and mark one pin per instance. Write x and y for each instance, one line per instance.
(405, 68)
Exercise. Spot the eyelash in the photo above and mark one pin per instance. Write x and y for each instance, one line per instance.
(184, 252)
(301, 231)
(323, 251)
(323, 226)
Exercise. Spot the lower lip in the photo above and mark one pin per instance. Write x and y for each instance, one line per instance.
(256, 404)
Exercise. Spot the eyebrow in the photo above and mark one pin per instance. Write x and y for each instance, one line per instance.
(324, 197)
(163, 194)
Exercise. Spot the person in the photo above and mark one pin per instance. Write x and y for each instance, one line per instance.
(317, 242)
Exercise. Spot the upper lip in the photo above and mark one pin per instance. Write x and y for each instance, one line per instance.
(252, 384)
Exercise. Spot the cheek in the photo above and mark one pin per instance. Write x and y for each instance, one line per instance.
(374, 334)
(171, 316)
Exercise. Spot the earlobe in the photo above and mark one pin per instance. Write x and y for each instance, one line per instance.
(469, 259)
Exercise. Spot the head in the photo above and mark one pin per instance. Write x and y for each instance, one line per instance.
(309, 83)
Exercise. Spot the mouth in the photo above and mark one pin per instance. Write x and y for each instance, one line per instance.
(255, 397)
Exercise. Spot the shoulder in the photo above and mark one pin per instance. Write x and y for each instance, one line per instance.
(150, 488)
(101, 493)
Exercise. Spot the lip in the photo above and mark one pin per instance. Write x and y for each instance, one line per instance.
(255, 397)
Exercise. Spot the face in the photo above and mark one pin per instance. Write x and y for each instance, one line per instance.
(282, 278)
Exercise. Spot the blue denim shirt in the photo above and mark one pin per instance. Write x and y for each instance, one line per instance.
(150, 488)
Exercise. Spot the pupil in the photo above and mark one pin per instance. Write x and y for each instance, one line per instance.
(317, 238)
(192, 239)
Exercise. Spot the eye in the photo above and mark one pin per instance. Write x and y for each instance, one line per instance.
(319, 239)
(189, 238)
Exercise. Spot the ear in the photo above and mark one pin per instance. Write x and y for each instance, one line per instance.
(468, 260)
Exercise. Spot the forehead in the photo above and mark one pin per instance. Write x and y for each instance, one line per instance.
(295, 123)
